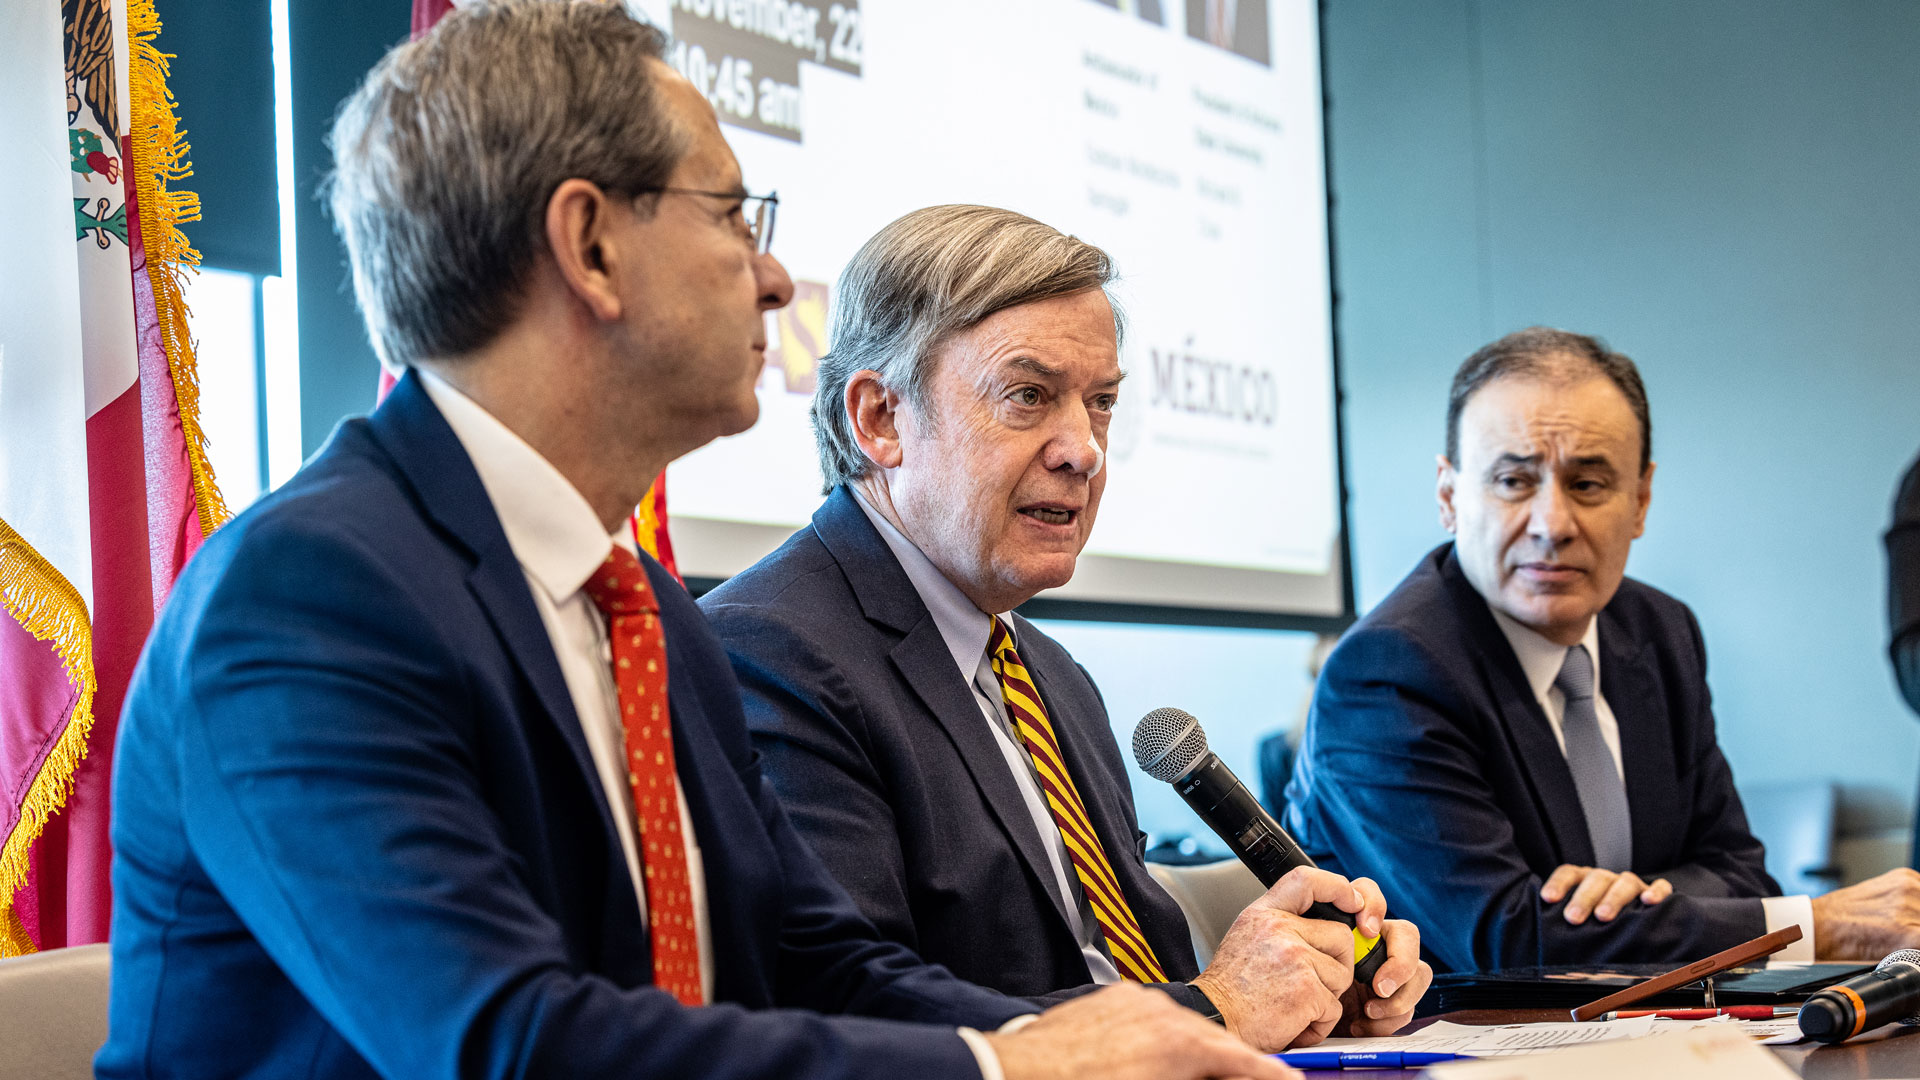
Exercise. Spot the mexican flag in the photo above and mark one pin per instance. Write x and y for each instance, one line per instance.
(105, 490)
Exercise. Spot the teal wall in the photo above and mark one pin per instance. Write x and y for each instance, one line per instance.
(1729, 192)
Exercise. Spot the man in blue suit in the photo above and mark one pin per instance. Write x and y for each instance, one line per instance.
(425, 772)
(1519, 741)
(953, 766)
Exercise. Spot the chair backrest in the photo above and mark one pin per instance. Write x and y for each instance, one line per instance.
(1211, 896)
(53, 1013)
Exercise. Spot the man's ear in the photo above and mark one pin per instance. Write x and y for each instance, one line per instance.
(1446, 476)
(580, 217)
(874, 412)
(1646, 497)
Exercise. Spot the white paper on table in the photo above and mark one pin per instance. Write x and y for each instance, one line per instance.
(1779, 1031)
(1501, 1040)
(1707, 1052)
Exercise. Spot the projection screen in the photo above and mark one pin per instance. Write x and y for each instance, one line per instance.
(1185, 139)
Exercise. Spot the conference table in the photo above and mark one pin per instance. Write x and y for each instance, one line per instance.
(1891, 1053)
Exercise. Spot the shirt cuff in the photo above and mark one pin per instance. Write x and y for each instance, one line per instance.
(1782, 912)
(983, 1054)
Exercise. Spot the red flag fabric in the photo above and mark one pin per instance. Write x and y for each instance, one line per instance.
(105, 490)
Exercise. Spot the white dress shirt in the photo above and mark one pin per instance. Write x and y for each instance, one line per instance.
(1540, 660)
(559, 543)
(965, 629)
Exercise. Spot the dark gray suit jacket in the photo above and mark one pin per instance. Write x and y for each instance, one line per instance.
(877, 748)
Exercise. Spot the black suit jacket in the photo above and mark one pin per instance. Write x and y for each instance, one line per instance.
(875, 743)
(1429, 766)
(358, 830)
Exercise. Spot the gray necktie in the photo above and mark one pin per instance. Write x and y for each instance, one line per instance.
(1603, 797)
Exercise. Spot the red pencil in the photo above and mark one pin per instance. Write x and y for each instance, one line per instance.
(1738, 1012)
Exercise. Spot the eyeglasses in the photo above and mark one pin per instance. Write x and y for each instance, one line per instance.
(758, 210)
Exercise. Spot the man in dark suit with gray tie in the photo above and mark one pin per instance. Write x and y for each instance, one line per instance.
(1519, 741)
(954, 767)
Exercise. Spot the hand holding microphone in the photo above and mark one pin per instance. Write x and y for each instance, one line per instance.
(1169, 745)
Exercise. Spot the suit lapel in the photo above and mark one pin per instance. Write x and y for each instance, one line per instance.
(1631, 684)
(1543, 763)
(502, 592)
(887, 597)
(429, 454)
(923, 660)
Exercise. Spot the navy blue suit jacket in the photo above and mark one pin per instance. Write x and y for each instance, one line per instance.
(1429, 766)
(879, 750)
(358, 830)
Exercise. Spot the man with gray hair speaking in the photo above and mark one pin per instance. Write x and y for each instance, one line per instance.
(950, 763)
(426, 772)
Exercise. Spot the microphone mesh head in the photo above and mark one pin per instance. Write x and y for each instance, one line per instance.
(1167, 743)
(1909, 957)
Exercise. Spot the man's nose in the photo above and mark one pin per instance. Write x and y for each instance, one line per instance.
(776, 288)
(1551, 516)
(1072, 446)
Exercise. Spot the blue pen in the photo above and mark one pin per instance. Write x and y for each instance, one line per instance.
(1366, 1059)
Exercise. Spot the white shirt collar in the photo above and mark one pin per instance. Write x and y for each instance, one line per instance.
(552, 529)
(1541, 659)
(956, 617)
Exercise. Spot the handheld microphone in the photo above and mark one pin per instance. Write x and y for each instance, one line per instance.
(1169, 745)
(1887, 993)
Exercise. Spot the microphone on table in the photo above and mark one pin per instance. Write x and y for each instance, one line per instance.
(1169, 745)
(1887, 993)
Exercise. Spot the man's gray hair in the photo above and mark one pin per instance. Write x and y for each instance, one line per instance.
(446, 157)
(930, 275)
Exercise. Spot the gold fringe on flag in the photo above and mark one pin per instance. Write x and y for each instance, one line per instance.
(158, 156)
(14, 940)
(43, 601)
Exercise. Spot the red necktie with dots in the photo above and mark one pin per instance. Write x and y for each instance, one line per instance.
(621, 590)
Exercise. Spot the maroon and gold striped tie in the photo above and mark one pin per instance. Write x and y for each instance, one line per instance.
(1131, 953)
